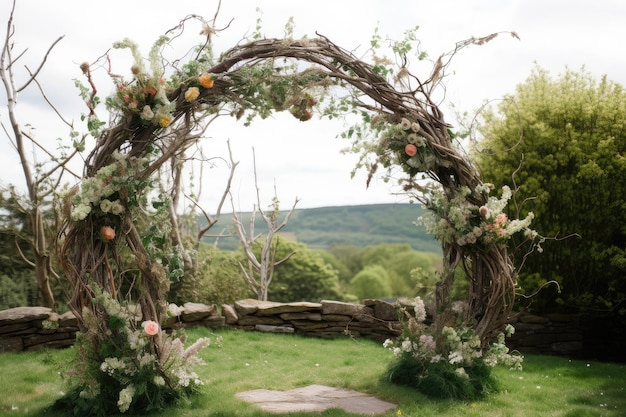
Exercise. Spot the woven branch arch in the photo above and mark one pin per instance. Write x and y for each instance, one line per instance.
(90, 262)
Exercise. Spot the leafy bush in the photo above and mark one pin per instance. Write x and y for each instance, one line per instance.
(218, 279)
(305, 276)
(563, 140)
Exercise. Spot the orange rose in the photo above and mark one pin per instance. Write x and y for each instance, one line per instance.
(410, 149)
(206, 80)
(108, 233)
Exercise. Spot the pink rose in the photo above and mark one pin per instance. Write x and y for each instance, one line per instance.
(483, 210)
(150, 327)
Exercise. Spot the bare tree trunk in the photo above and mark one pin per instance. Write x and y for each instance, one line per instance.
(263, 267)
(39, 239)
(42, 261)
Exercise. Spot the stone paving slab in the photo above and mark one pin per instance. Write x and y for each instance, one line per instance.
(315, 398)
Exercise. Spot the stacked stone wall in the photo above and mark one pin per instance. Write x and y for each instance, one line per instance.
(35, 328)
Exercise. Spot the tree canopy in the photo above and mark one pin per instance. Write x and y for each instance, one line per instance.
(562, 142)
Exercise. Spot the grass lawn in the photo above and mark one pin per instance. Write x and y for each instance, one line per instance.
(241, 361)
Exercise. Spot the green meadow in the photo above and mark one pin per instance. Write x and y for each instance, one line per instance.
(241, 361)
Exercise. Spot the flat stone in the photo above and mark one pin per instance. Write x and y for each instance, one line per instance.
(383, 310)
(302, 316)
(229, 313)
(274, 329)
(197, 311)
(254, 320)
(68, 319)
(269, 308)
(345, 309)
(316, 398)
(24, 314)
(11, 344)
(247, 306)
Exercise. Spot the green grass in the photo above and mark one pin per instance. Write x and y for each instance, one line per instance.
(548, 386)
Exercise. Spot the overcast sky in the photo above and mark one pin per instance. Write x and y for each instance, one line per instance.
(303, 160)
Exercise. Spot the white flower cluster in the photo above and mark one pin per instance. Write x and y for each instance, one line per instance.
(461, 222)
(460, 347)
(96, 192)
(126, 398)
(136, 367)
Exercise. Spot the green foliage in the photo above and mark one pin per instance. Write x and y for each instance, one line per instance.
(350, 257)
(305, 276)
(563, 141)
(17, 290)
(19, 240)
(439, 380)
(371, 282)
(408, 270)
(218, 281)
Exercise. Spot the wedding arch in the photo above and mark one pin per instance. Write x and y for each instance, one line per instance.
(163, 109)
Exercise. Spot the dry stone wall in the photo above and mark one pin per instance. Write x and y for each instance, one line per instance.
(374, 319)
(559, 334)
(35, 328)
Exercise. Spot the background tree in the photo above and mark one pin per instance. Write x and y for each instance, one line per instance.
(260, 268)
(304, 276)
(562, 141)
(399, 260)
(36, 231)
(187, 231)
(371, 282)
(219, 279)
(350, 257)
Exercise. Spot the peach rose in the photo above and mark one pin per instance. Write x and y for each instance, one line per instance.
(206, 80)
(150, 327)
(410, 149)
(108, 233)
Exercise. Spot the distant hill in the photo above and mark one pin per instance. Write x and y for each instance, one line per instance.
(361, 226)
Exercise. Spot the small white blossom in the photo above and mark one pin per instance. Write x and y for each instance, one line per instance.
(455, 357)
(125, 398)
(405, 124)
(147, 113)
(420, 310)
(406, 346)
